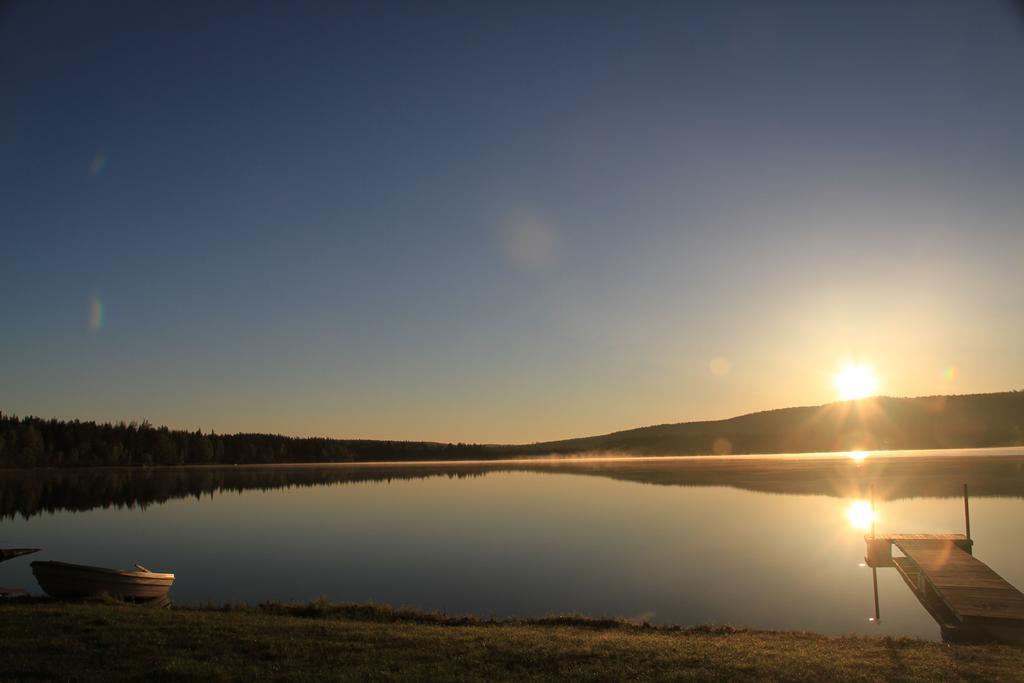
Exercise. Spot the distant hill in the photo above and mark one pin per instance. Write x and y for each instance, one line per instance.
(969, 421)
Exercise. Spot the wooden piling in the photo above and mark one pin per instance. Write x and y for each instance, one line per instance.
(967, 513)
(871, 494)
(874, 580)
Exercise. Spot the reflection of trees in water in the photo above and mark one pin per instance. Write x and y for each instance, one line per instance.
(31, 492)
(890, 477)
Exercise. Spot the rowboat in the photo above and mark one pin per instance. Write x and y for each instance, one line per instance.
(64, 580)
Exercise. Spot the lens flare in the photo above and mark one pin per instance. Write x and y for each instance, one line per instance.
(95, 313)
(951, 373)
(857, 456)
(531, 245)
(720, 366)
(98, 163)
(860, 514)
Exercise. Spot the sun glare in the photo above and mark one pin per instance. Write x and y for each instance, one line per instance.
(856, 381)
(860, 514)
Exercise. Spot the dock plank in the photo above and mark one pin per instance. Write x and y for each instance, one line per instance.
(921, 537)
(969, 587)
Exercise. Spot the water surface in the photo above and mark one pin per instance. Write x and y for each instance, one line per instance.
(759, 542)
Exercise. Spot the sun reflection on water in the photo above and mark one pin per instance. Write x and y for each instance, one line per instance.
(860, 514)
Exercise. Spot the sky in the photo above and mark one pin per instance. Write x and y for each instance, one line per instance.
(504, 222)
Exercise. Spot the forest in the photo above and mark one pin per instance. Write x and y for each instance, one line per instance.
(36, 442)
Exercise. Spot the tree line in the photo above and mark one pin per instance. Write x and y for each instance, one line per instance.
(38, 442)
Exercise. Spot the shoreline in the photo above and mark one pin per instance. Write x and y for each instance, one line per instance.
(879, 456)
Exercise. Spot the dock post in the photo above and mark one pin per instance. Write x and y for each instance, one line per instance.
(967, 514)
(874, 580)
(871, 495)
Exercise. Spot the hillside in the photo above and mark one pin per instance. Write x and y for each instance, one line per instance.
(969, 421)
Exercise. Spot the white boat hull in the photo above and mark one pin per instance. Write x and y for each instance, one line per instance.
(64, 580)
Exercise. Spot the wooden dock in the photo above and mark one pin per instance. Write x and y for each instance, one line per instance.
(963, 594)
(879, 548)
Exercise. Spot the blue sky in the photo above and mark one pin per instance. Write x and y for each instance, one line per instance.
(503, 221)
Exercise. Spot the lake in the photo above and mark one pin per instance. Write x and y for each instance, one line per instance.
(763, 542)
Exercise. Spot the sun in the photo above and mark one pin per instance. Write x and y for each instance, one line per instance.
(856, 381)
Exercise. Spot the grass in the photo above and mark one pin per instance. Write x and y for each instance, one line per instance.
(104, 641)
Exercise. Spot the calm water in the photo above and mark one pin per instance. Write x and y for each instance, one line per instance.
(760, 542)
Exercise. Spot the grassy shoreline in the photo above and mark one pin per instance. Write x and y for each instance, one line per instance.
(96, 640)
